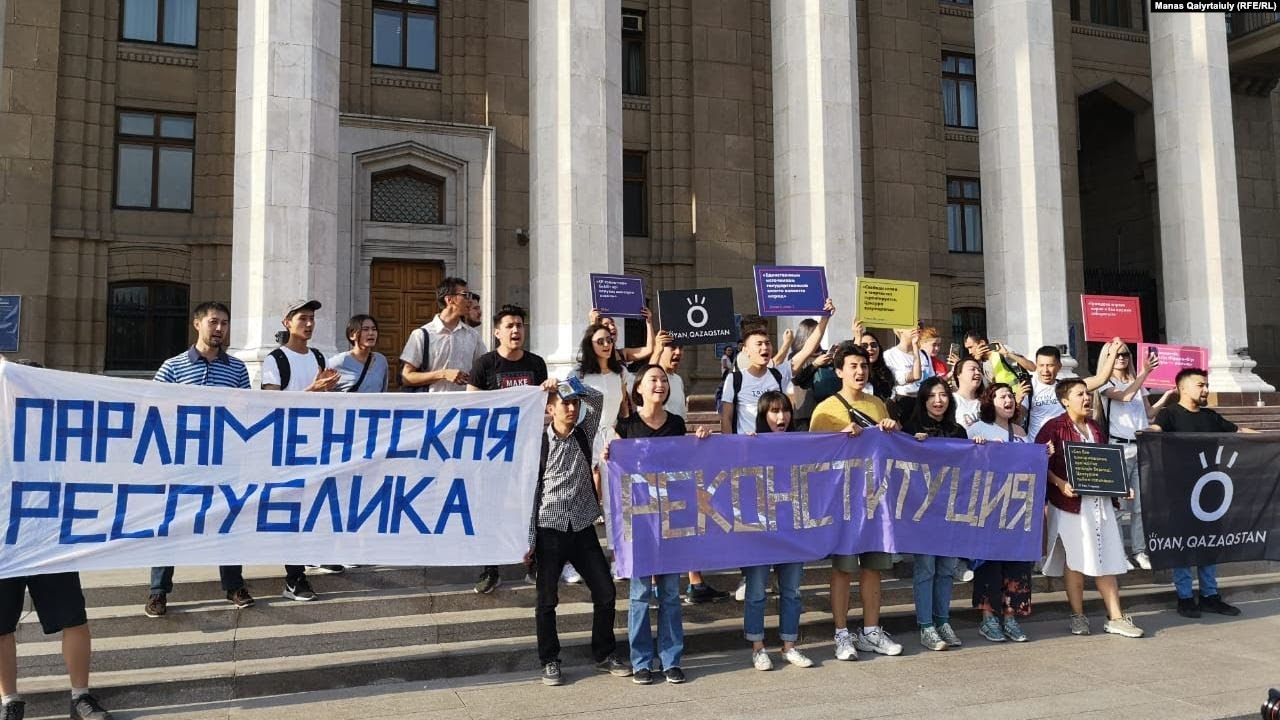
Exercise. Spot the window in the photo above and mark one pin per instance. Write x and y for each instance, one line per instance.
(406, 34)
(406, 195)
(633, 75)
(635, 221)
(171, 22)
(1109, 12)
(154, 156)
(965, 319)
(964, 215)
(147, 322)
(959, 91)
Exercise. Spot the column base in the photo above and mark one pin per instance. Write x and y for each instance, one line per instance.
(1235, 375)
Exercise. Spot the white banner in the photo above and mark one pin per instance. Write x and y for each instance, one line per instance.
(100, 472)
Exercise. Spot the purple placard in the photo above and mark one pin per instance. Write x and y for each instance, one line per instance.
(679, 504)
(617, 295)
(791, 289)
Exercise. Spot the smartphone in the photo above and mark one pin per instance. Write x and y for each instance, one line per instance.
(955, 350)
(995, 347)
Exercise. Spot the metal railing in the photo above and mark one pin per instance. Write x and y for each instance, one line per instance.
(1239, 24)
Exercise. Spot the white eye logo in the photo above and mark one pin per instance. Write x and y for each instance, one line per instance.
(1228, 488)
(696, 310)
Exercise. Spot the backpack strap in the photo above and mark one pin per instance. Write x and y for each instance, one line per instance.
(423, 363)
(737, 390)
(363, 372)
(282, 364)
(319, 356)
(856, 416)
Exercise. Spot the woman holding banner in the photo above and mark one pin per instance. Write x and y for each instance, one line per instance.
(1083, 532)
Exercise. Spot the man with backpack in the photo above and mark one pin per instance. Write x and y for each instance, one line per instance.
(295, 367)
(438, 355)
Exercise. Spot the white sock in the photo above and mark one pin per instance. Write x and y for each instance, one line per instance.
(870, 630)
(77, 692)
(842, 632)
(10, 698)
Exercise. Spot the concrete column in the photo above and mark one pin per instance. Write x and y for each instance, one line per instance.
(817, 143)
(286, 171)
(575, 165)
(1199, 206)
(1023, 252)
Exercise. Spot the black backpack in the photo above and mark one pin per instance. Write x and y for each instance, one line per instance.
(737, 390)
(286, 372)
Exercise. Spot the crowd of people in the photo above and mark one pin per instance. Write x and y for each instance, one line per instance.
(982, 391)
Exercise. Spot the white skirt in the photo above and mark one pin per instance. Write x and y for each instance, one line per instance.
(1088, 542)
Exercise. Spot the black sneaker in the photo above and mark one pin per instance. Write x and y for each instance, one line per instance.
(87, 707)
(1215, 604)
(1188, 608)
(157, 605)
(551, 673)
(300, 591)
(614, 667)
(704, 593)
(488, 581)
(643, 676)
(13, 710)
(241, 599)
(675, 675)
(326, 569)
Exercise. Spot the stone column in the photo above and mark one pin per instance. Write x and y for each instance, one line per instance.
(575, 165)
(1023, 253)
(817, 142)
(284, 227)
(1199, 207)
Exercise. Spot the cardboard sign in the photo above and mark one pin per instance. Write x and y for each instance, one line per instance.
(617, 295)
(703, 316)
(1096, 469)
(791, 290)
(10, 321)
(888, 303)
(1110, 316)
(1173, 359)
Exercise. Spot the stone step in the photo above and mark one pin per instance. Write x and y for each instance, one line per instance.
(191, 666)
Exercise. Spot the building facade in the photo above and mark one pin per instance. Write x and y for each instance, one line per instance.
(157, 153)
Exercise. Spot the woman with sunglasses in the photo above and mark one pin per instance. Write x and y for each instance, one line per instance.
(881, 381)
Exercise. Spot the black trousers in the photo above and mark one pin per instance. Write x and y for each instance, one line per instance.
(553, 549)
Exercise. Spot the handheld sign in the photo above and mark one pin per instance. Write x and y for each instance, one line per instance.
(888, 303)
(1110, 316)
(1096, 469)
(617, 295)
(1173, 359)
(702, 316)
(10, 317)
(791, 290)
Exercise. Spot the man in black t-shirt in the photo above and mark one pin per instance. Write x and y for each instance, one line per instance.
(508, 366)
(1191, 416)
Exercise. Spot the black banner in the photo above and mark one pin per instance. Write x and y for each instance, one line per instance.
(1209, 497)
(1096, 469)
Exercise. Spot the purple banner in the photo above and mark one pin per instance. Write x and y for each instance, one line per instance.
(679, 504)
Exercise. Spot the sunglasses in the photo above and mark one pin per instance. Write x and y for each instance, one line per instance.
(1122, 354)
(869, 346)
(603, 342)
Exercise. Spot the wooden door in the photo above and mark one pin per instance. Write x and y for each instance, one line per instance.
(402, 297)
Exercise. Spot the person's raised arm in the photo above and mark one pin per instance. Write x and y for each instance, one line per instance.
(1021, 361)
(784, 348)
(631, 355)
(1134, 388)
(814, 340)
(1106, 363)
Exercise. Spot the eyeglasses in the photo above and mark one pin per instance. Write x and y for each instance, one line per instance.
(869, 346)
(603, 342)
(1122, 354)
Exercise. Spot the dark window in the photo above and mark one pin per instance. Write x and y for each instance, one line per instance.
(1109, 12)
(147, 322)
(635, 221)
(154, 157)
(964, 215)
(967, 318)
(406, 34)
(406, 195)
(171, 22)
(633, 70)
(959, 91)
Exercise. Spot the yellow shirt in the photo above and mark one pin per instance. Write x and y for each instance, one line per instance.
(831, 415)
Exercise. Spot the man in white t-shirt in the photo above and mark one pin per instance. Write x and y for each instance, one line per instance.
(910, 364)
(1044, 399)
(669, 359)
(738, 406)
(450, 345)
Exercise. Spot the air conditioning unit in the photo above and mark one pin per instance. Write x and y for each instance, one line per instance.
(632, 22)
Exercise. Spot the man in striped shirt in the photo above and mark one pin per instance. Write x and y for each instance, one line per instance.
(205, 363)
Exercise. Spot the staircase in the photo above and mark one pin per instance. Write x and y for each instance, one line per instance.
(1265, 419)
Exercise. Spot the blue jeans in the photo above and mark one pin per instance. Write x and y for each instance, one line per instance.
(788, 601)
(162, 579)
(670, 625)
(1208, 581)
(932, 579)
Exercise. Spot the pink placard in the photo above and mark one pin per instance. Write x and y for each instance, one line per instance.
(1110, 316)
(1173, 359)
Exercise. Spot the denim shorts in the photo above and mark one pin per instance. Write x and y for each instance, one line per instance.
(867, 560)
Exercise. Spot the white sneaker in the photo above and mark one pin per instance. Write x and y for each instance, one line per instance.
(797, 658)
(877, 641)
(1142, 560)
(844, 647)
(1122, 626)
(570, 575)
(760, 659)
(741, 593)
(966, 576)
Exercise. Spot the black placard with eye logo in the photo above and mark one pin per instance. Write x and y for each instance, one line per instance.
(703, 316)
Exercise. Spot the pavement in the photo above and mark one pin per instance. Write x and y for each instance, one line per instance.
(1216, 667)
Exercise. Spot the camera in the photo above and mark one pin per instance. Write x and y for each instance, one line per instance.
(1271, 708)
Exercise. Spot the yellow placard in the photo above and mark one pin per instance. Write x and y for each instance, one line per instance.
(888, 303)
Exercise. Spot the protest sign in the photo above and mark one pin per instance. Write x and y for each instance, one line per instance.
(1173, 359)
(1111, 316)
(1096, 469)
(678, 504)
(791, 290)
(703, 316)
(100, 472)
(888, 303)
(1209, 497)
(10, 322)
(617, 295)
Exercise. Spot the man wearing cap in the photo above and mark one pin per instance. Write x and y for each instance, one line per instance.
(438, 355)
(296, 367)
